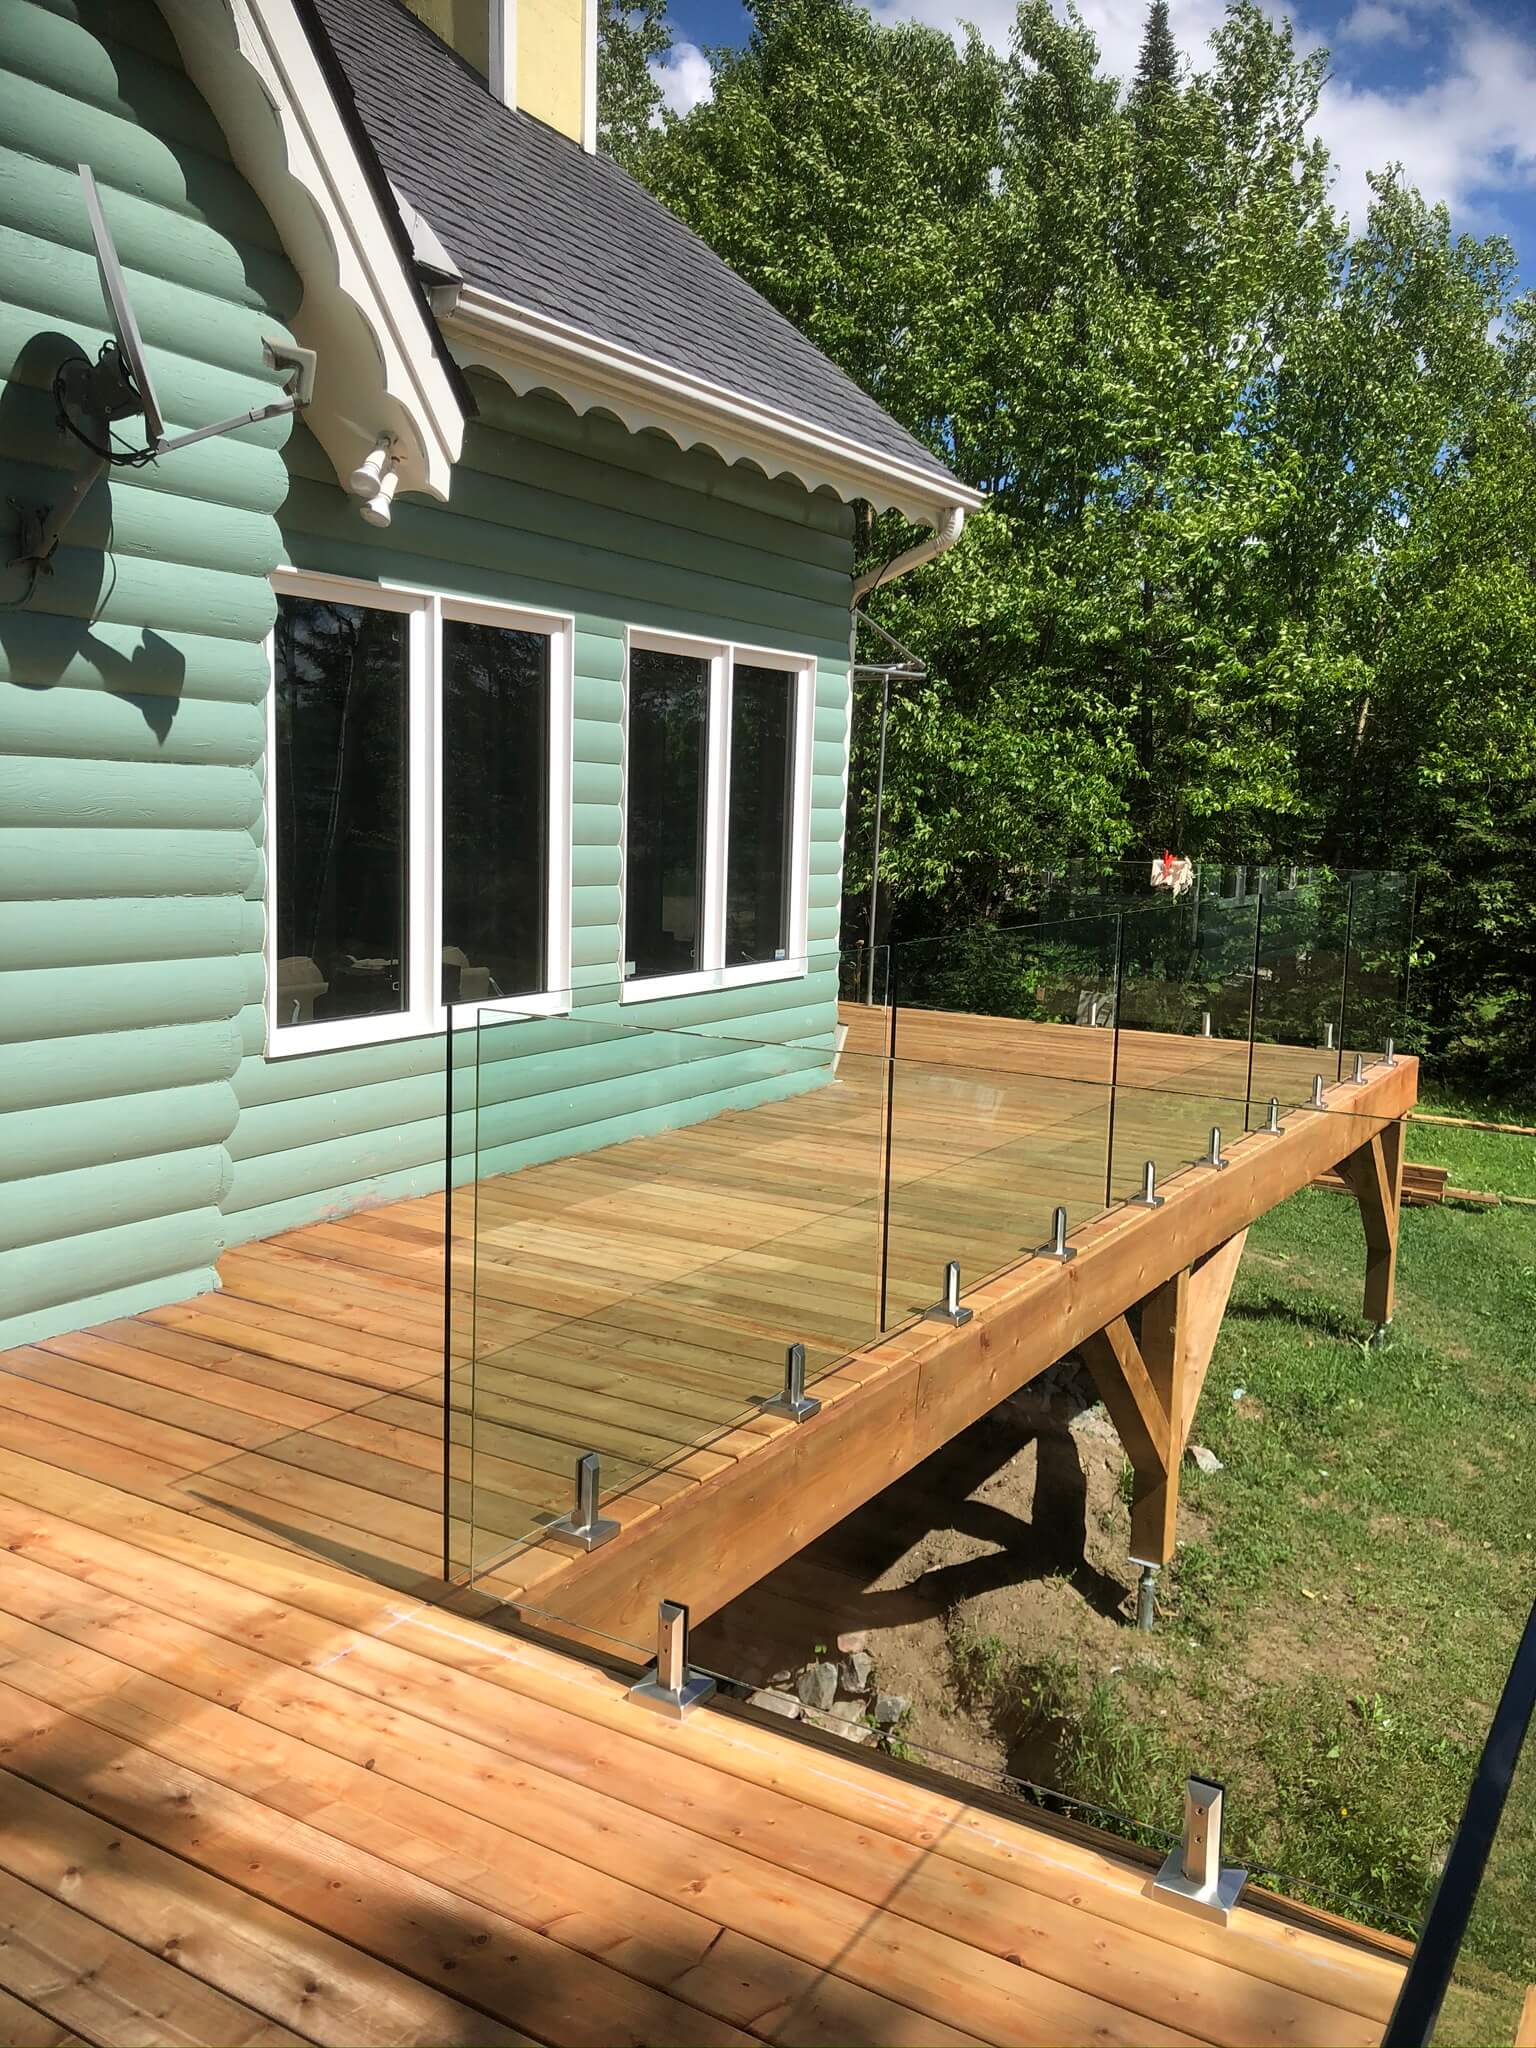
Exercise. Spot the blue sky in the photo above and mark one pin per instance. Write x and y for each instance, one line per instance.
(1445, 87)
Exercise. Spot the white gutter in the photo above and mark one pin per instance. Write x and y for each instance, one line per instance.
(939, 542)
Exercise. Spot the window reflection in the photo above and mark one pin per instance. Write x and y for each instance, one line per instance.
(758, 826)
(341, 705)
(664, 866)
(495, 811)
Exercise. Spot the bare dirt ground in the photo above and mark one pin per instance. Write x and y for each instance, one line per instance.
(1015, 1530)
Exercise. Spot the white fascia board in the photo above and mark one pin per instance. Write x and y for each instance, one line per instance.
(377, 369)
(533, 352)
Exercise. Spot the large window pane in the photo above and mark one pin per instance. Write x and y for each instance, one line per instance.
(664, 852)
(341, 792)
(495, 811)
(758, 826)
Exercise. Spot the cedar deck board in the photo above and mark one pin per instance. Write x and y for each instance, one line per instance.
(323, 1797)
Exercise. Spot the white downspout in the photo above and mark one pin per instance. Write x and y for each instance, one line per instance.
(939, 542)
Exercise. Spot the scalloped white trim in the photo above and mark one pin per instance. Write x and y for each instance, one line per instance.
(532, 352)
(377, 371)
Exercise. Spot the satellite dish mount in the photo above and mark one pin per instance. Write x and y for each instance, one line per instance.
(93, 396)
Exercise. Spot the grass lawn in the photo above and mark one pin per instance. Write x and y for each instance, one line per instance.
(1342, 1617)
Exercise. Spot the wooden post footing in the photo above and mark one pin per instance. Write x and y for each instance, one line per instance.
(1150, 1382)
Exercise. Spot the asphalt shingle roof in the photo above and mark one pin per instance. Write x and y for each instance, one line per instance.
(531, 216)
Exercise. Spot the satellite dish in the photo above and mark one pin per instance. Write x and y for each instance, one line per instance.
(114, 289)
(117, 385)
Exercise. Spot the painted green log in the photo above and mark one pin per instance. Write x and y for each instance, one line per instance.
(109, 1064)
(48, 866)
(69, 1136)
(87, 931)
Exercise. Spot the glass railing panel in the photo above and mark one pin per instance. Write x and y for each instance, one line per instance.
(1299, 1000)
(1002, 1053)
(1182, 1036)
(1380, 940)
(654, 1215)
(864, 975)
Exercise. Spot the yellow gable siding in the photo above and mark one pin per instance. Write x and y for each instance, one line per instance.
(465, 25)
(551, 62)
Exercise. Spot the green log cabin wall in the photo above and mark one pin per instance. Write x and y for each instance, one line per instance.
(132, 684)
(142, 1126)
(571, 515)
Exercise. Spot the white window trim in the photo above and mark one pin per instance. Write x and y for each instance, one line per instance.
(722, 656)
(425, 1013)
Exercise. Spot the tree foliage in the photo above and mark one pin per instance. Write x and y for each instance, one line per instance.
(1258, 572)
(632, 37)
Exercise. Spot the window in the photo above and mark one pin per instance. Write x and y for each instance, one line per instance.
(666, 823)
(717, 798)
(496, 775)
(418, 801)
(340, 761)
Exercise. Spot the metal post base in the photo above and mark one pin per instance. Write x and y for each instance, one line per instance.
(1381, 1336)
(1214, 1902)
(669, 1687)
(1146, 1595)
(590, 1535)
(584, 1526)
(947, 1308)
(1194, 1877)
(793, 1402)
(791, 1407)
(673, 1701)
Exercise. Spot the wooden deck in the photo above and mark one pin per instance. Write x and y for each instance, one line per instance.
(251, 1797)
(637, 1301)
(268, 1778)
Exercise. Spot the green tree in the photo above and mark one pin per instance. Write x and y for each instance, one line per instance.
(1256, 575)
(632, 36)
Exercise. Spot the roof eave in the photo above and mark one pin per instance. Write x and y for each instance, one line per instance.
(378, 373)
(531, 351)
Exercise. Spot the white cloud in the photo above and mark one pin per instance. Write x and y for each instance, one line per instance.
(1372, 24)
(684, 77)
(1464, 137)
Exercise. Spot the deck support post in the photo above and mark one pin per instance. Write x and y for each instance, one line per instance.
(1150, 1382)
(1373, 1173)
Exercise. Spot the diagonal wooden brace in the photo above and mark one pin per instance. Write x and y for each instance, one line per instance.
(1374, 1176)
(1151, 1386)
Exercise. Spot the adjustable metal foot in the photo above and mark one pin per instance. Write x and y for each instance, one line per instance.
(584, 1525)
(1058, 1248)
(794, 1403)
(1149, 1198)
(1381, 1336)
(947, 1308)
(1194, 1878)
(1213, 1158)
(1146, 1595)
(669, 1687)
